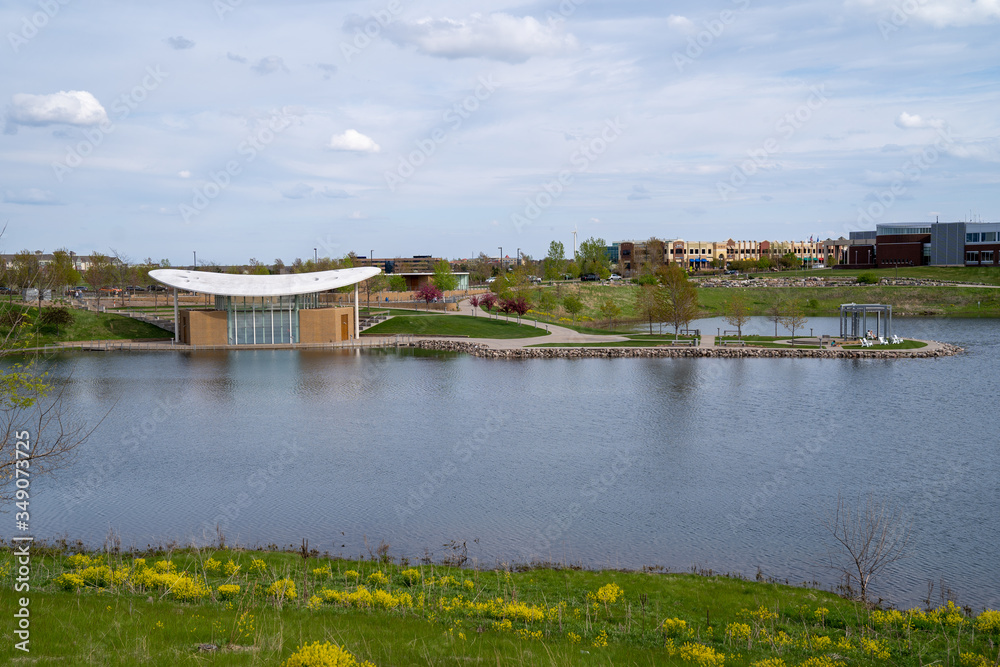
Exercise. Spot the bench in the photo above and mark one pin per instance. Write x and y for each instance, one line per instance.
(730, 332)
(734, 342)
(690, 332)
(690, 343)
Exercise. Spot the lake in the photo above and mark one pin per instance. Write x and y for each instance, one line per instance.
(722, 464)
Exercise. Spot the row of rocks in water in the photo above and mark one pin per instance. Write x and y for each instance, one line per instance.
(487, 352)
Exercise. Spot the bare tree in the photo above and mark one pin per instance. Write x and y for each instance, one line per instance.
(872, 534)
(737, 311)
(793, 318)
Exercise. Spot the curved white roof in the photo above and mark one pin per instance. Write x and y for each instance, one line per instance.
(227, 284)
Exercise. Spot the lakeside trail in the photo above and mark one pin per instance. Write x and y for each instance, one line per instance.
(557, 336)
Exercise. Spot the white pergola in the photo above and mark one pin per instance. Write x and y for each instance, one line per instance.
(238, 285)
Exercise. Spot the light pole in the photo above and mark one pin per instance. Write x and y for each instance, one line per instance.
(518, 257)
(195, 264)
(501, 258)
(371, 258)
(315, 257)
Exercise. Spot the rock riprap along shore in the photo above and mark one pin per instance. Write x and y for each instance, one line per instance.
(487, 352)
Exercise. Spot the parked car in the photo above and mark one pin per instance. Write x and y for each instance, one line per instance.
(615, 276)
(534, 279)
(491, 280)
(589, 276)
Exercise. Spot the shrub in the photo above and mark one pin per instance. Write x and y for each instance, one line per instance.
(324, 655)
(411, 576)
(377, 579)
(282, 588)
(228, 591)
(868, 278)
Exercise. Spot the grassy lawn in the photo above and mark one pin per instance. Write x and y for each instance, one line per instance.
(258, 608)
(86, 325)
(826, 301)
(816, 301)
(455, 325)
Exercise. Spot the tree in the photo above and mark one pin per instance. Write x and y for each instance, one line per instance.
(375, 284)
(593, 258)
(122, 273)
(649, 304)
(776, 311)
(873, 534)
(26, 270)
(98, 274)
(55, 317)
(487, 301)
(516, 304)
(475, 301)
(443, 277)
(680, 297)
(258, 268)
(61, 271)
(480, 268)
(737, 311)
(397, 283)
(793, 318)
(572, 304)
(555, 262)
(428, 293)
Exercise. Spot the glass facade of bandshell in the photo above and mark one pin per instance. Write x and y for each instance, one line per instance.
(264, 320)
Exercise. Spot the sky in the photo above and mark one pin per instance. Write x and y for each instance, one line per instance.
(243, 129)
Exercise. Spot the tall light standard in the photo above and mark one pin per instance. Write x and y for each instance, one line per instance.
(371, 258)
(501, 259)
(518, 257)
(194, 265)
(315, 257)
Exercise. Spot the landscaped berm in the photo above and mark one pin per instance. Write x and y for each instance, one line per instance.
(234, 607)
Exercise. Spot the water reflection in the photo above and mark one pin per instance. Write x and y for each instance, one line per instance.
(728, 464)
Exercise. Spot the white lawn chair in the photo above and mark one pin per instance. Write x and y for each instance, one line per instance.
(882, 340)
(865, 342)
(896, 340)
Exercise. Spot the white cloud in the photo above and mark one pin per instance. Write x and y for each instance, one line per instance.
(352, 140)
(496, 36)
(235, 57)
(298, 191)
(30, 196)
(184, 174)
(938, 13)
(269, 65)
(915, 122)
(180, 43)
(74, 107)
(680, 23)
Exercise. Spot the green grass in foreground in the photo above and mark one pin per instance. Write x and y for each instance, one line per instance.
(258, 608)
(86, 325)
(455, 325)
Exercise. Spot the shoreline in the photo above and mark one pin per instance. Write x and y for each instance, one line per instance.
(482, 350)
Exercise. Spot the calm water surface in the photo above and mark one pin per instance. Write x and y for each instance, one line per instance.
(723, 464)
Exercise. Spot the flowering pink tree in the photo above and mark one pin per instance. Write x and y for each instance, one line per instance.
(507, 305)
(519, 305)
(488, 300)
(429, 293)
(474, 301)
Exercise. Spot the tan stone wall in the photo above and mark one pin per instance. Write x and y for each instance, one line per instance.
(325, 325)
(203, 327)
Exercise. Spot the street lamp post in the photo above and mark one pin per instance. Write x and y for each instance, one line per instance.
(315, 257)
(371, 258)
(518, 257)
(194, 265)
(501, 258)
